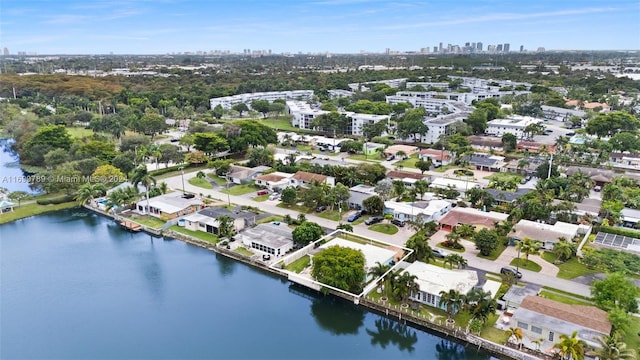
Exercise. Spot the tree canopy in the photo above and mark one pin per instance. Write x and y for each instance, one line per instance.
(340, 267)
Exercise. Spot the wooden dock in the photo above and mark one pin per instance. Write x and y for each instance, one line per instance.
(131, 226)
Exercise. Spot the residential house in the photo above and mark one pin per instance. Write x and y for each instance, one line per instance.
(273, 181)
(430, 210)
(516, 294)
(438, 157)
(600, 177)
(630, 217)
(6, 206)
(535, 147)
(406, 149)
(625, 160)
(529, 168)
(271, 238)
(469, 216)
(561, 114)
(169, 206)
(372, 149)
(358, 193)
(461, 186)
(242, 175)
(485, 162)
(546, 234)
(206, 220)
(435, 279)
(304, 179)
(542, 318)
(501, 196)
(408, 178)
(485, 143)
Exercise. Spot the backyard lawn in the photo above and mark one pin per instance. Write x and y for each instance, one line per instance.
(240, 189)
(526, 264)
(271, 218)
(24, 211)
(203, 183)
(244, 252)
(299, 265)
(146, 220)
(388, 229)
(504, 177)
(280, 123)
(296, 207)
(196, 234)
(569, 269)
(409, 163)
(217, 179)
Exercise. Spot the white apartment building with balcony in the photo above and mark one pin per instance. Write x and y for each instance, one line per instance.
(303, 114)
(228, 101)
(514, 124)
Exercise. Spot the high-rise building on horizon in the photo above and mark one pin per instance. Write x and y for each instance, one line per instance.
(506, 47)
(479, 46)
(499, 48)
(521, 48)
(5, 51)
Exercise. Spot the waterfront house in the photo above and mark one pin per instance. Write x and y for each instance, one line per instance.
(169, 206)
(469, 216)
(541, 318)
(206, 219)
(373, 254)
(271, 238)
(434, 279)
(241, 174)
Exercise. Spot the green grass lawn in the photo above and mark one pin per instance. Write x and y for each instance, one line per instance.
(299, 208)
(526, 264)
(146, 220)
(569, 269)
(331, 215)
(79, 132)
(492, 333)
(409, 163)
(630, 337)
(271, 218)
(244, 252)
(441, 246)
(299, 265)
(388, 229)
(361, 157)
(495, 254)
(444, 168)
(203, 183)
(217, 179)
(280, 123)
(563, 299)
(196, 234)
(504, 177)
(28, 210)
(240, 189)
(261, 198)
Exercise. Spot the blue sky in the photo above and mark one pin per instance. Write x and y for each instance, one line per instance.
(337, 26)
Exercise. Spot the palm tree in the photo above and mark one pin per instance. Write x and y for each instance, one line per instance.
(515, 335)
(225, 225)
(563, 249)
(164, 188)
(527, 247)
(201, 175)
(401, 154)
(421, 187)
(453, 240)
(421, 249)
(404, 285)
(452, 300)
(399, 188)
(523, 163)
(537, 343)
(379, 270)
(89, 191)
(612, 348)
(465, 231)
(570, 347)
(142, 176)
(480, 303)
(154, 151)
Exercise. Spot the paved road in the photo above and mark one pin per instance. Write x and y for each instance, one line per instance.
(398, 239)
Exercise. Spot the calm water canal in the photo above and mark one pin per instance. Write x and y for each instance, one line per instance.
(12, 177)
(73, 285)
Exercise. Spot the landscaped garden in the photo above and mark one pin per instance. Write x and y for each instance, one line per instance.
(526, 264)
(388, 229)
(299, 265)
(146, 220)
(196, 234)
(569, 269)
(240, 189)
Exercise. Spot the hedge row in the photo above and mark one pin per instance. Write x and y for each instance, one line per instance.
(56, 201)
(169, 169)
(620, 231)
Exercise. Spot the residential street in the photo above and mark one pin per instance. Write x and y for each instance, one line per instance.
(545, 277)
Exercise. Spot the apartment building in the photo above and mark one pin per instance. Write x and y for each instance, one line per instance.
(514, 124)
(227, 102)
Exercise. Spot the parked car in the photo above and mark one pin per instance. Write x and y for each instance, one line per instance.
(373, 220)
(391, 157)
(266, 257)
(439, 253)
(398, 222)
(262, 192)
(355, 216)
(523, 181)
(597, 188)
(274, 196)
(321, 208)
(509, 270)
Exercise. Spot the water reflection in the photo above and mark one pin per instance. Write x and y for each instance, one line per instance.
(392, 332)
(449, 350)
(226, 266)
(337, 316)
(152, 270)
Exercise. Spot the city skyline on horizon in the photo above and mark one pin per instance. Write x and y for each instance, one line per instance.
(144, 27)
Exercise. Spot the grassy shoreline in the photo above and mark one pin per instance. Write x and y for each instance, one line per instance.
(29, 210)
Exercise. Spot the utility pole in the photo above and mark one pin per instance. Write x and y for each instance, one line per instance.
(550, 165)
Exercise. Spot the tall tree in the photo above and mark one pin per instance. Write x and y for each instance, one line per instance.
(142, 176)
(570, 347)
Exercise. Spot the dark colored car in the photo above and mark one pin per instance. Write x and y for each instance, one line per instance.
(373, 220)
(398, 222)
(509, 270)
(321, 208)
(355, 216)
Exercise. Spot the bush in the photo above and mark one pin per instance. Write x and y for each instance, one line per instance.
(620, 231)
(169, 169)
